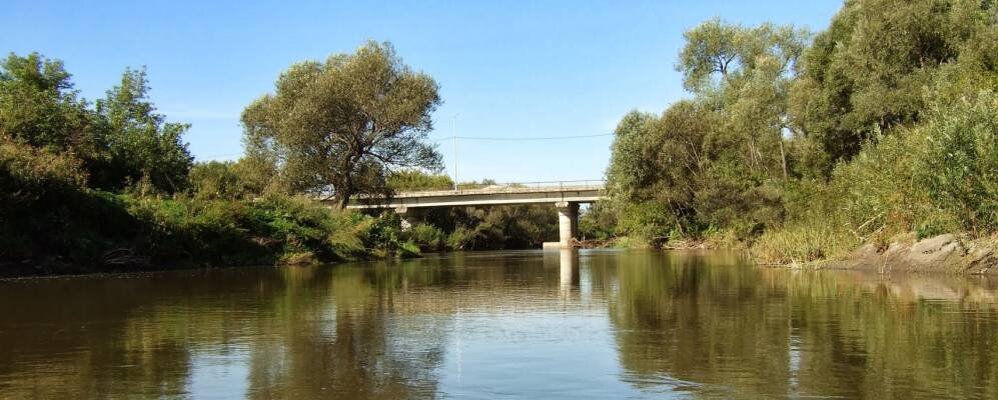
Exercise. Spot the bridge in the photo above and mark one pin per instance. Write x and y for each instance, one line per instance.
(564, 195)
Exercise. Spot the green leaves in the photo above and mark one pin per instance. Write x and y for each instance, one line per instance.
(140, 144)
(959, 168)
(345, 123)
(121, 140)
(39, 107)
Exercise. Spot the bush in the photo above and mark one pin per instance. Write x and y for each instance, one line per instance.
(427, 237)
(29, 173)
(938, 177)
(414, 180)
(43, 208)
(959, 164)
(384, 237)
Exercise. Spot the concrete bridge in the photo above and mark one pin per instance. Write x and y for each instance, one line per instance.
(564, 195)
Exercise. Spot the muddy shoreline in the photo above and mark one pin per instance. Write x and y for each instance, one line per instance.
(948, 254)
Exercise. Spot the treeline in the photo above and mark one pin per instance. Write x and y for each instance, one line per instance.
(110, 184)
(803, 146)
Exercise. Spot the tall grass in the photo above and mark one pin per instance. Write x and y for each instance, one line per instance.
(940, 176)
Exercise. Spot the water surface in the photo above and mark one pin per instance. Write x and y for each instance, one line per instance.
(589, 324)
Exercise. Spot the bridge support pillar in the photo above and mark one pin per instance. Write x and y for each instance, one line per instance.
(568, 225)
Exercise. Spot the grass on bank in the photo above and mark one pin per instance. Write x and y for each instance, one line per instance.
(938, 177)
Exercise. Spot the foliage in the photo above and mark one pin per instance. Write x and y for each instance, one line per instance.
(39, 107)
(29, 173)
(415, 180)
(868, 72)
(959, 167)
(121, 140)
(597, 222)
(84, 188)
(91, 230)
(937, 177)
(345, 123)
(139, 141)
(37, 189)
(876, 129)
(499, 227)
(385, 237)
(229, 180)
(427, 237)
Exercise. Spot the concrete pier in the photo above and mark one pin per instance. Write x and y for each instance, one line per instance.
(568, 225)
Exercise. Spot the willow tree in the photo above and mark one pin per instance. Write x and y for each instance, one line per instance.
(342, 125)
(747, 72)
(883, 63)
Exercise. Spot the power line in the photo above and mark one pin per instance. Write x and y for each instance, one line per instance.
(478, 138)
(222, 155)
(511, 139)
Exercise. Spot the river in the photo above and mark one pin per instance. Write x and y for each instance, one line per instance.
(518, 324)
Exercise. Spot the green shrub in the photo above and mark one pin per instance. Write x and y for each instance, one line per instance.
(462, 237)
(30, 173)
(414, 180)
(938, 177)
(384, 237)
(959, 165)
(427, 237)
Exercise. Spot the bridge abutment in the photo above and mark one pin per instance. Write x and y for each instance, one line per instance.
(568, 225)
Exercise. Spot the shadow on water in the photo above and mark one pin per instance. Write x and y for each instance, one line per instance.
(521, 324)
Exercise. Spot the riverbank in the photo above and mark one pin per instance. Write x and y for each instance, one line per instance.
(91, 231)
(950, 254)
(942, 254)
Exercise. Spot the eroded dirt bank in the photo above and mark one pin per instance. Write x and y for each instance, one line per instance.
(944, 253)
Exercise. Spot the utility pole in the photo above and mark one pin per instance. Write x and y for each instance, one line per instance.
(453, 127)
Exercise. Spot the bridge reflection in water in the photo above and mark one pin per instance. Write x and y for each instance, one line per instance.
(568, 269)
(597, 324)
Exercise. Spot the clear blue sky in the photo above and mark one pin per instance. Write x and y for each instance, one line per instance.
(507, 69)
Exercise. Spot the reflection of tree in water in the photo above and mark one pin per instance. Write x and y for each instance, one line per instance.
(101, 337)
(342, 344)
(309, 332)
(749, 332)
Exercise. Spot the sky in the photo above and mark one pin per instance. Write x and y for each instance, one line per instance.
(509, 69)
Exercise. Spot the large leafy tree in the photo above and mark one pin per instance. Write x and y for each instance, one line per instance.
(39, 107)
(746, 72)
(120, 141)
(140, 143)
(346, 123)
(869, 72)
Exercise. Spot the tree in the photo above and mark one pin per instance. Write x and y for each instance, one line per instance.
(415, 180)
(747, 72)
(229, 180)
(39, 107)
(346, 123)
(868, 73)
(140, 144)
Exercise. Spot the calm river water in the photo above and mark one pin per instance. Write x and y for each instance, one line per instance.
(533, 324)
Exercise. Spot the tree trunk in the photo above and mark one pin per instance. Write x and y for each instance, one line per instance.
(783, 158)
(341, 200)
